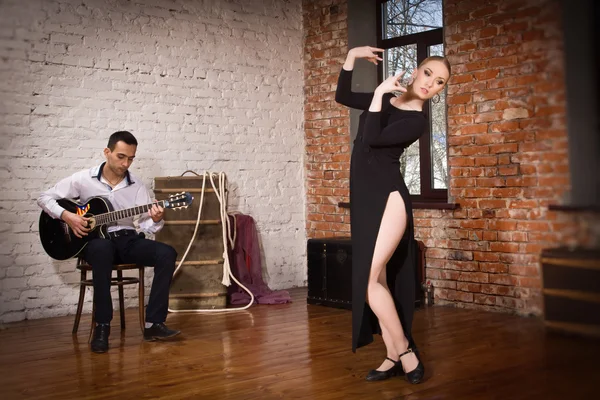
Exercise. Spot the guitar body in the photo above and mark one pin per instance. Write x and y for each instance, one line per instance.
(58, 239)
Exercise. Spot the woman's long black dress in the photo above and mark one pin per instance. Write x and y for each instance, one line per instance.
(374, 174)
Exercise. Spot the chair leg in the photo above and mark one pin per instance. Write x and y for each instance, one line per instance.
(141, 298)
(93, 321)
(80, 303)
(121, 300)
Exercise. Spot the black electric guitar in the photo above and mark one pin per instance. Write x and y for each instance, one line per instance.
(58, 238)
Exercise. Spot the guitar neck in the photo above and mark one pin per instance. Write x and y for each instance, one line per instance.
(112, 216)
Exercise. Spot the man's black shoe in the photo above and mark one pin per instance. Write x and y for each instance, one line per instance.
(100, 341)
(159, 331)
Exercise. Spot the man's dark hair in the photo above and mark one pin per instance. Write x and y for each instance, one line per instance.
(121, 136)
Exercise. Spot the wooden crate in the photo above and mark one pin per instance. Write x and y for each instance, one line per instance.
(197, 285)
(571, 289)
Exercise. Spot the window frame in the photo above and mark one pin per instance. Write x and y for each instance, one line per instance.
(423, 40)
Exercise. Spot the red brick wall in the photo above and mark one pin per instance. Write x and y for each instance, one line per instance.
(326, 123)
(508, 150)
(508, 155)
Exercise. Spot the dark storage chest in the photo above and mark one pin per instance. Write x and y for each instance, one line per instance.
(330, 272)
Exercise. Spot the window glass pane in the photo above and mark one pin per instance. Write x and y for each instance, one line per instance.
(410, 167)
(405, 17)
(438, 129)
(398, 59)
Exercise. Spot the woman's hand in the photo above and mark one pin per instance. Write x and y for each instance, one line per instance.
(367, 52)
(391, 84)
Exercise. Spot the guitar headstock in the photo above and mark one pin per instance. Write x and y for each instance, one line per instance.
(179, 200)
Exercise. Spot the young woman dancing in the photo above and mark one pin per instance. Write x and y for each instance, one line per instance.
(381, 210)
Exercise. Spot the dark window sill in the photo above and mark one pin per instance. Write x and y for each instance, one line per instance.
(420, 205)
(573, 208)
(432, 205)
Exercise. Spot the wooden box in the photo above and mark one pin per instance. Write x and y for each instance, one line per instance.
(198, 283)
(571, 290)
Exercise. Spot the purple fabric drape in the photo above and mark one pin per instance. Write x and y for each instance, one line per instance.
(247, 268)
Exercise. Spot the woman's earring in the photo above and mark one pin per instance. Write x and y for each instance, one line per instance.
(436, 99)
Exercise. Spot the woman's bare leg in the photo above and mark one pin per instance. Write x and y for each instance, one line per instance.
(391, 230)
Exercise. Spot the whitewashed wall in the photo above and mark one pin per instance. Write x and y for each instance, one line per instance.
(203, 85)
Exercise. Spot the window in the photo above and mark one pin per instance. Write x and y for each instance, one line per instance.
(410, 31)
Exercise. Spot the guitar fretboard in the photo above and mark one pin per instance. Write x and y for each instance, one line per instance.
(113, 216)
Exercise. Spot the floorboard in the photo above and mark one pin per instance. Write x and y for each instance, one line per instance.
(296, 351)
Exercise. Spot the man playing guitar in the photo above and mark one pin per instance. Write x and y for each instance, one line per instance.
(112, 181)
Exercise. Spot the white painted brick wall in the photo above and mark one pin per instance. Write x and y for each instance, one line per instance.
(203, 85)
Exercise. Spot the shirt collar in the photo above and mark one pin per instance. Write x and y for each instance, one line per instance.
(97, 173)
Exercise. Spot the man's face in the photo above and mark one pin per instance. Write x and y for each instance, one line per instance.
(119, 159)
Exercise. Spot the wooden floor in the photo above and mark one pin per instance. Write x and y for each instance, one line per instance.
(296, 351)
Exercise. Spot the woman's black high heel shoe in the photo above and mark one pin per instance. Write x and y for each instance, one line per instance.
(375, 375)
(416, 375)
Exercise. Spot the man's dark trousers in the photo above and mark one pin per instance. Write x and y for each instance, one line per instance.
(130, 248)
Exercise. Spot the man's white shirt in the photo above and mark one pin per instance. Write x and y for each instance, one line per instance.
(84, 185)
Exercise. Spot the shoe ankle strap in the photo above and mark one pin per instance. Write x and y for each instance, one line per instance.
(408, 351)
(394, 361)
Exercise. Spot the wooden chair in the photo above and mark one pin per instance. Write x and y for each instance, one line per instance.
(119, 281)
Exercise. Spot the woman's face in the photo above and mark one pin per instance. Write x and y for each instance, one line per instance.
(429, 79)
